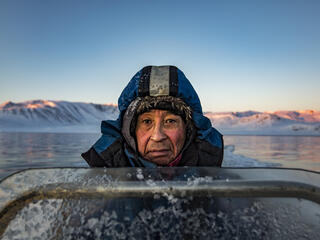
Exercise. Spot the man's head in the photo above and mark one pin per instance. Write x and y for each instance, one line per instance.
(157, 121)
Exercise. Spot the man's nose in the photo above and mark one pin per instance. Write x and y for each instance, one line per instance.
(158, 133)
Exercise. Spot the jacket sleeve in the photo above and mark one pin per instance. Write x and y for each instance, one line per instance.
(93, 158)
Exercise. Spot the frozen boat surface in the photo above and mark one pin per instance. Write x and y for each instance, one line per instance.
(161, 203)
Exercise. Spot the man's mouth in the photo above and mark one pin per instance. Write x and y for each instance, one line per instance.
(158, 152)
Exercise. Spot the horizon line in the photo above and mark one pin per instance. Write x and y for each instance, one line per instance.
(116, 104)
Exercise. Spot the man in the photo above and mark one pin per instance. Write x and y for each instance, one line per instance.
(160, 124)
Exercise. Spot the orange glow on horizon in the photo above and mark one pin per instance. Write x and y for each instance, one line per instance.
(43, 104)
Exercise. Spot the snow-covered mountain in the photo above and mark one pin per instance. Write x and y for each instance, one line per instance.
(306, 122)
(54, 116)
(63, 116)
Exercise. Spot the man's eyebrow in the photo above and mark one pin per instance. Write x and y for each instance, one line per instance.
(145, 115)
(171, 114)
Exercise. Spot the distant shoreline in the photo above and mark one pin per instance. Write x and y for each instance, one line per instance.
(19, 131)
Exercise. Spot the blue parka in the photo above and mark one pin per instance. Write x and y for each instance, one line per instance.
(112, 149)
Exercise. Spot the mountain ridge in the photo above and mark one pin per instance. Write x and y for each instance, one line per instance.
(52, 116)
(65, 116)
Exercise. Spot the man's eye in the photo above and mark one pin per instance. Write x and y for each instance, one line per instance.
(171, 120)
(146, 121)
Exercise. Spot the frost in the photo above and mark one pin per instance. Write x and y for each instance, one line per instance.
(139, 174)
(163, 214)
(151, 183)
(194, 181)
(92, 223)
(170, 197)
(156, 196)
(161, 218)
(34, 221)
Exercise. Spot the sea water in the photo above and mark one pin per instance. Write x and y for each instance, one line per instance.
(288, 151)
(20, 151)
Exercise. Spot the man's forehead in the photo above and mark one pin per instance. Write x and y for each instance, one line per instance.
(160, 112)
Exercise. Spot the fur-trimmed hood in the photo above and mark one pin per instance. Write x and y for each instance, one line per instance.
(143, 92)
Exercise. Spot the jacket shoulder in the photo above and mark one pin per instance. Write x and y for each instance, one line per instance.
(108, 150)
(202, 153)
(113, 156)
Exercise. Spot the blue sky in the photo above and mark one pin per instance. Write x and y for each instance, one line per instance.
(239, 55)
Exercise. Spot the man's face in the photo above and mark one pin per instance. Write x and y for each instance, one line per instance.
(160, 136)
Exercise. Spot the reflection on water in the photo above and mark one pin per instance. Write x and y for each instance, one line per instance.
(290, 151)
(26, 150)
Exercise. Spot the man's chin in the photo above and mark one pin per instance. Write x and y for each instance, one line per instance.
(160, 160)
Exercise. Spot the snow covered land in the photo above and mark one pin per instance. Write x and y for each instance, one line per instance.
(63, 116)
(54, 116)
(304, 122)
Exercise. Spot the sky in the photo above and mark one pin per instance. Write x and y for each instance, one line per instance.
(238, 55)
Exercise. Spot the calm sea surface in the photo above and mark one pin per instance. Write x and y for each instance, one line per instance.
(27, 150)
(290, 151)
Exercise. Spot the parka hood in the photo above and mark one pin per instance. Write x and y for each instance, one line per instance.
(159, 81)
(156, 81)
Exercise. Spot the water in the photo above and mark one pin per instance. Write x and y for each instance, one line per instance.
(19, 151)
(27, 150)
(290, 151)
